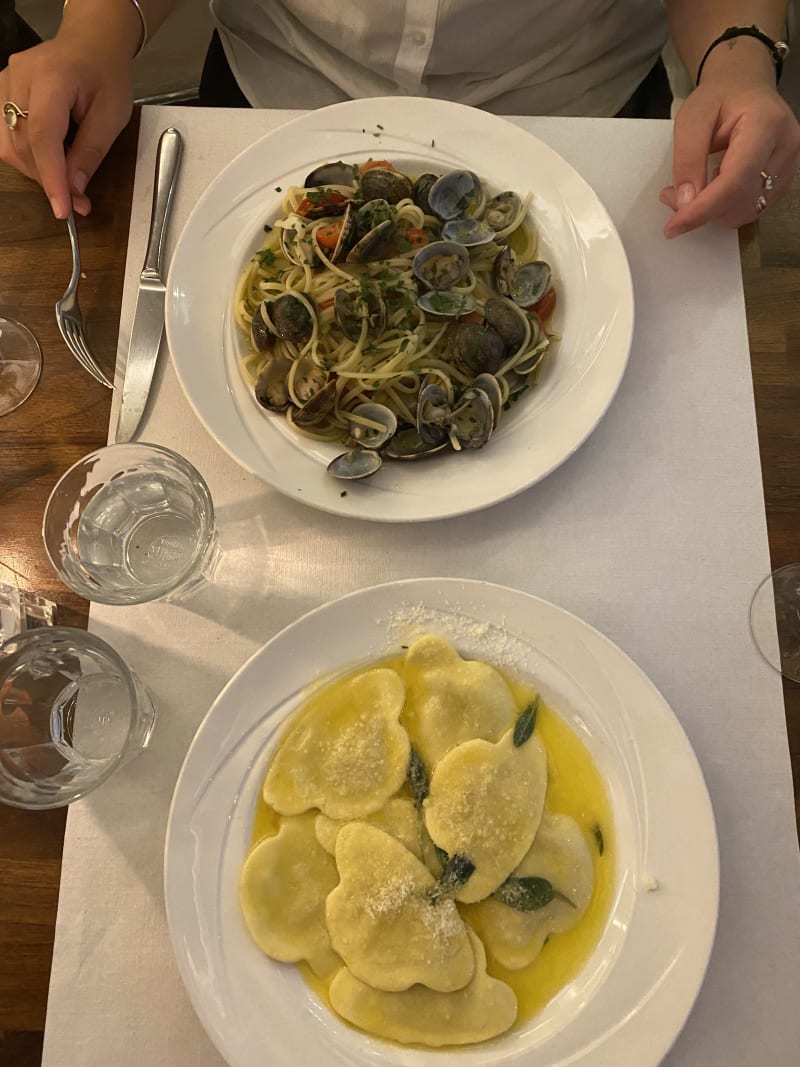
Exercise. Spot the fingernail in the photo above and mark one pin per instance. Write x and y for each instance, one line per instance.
(58, 208)
(686, 193)
(79, 182)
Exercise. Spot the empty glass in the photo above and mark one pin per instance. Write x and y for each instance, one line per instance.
(131, 523)
(20, 364)
(775, 620)
(71, 712)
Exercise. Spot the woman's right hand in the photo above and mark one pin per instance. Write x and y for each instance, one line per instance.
(77, 75)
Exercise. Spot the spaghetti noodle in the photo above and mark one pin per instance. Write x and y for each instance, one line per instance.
(339, 311)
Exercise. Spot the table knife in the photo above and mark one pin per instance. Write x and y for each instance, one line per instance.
(148, 319)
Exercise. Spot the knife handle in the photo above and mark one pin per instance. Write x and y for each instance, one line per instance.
(170, 148)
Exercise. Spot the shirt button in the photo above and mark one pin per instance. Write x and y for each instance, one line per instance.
(419, 38)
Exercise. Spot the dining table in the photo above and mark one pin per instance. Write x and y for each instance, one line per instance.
(663, 561)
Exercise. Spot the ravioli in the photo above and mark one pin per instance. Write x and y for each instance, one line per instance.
(382, 922)
(398, 817)
(282, 890)
(482, 1009)
(347, 753)
(561, 855)
(453, 700)
(485, 803)
(397, 807)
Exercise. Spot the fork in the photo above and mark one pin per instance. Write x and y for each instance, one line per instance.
(69, 318)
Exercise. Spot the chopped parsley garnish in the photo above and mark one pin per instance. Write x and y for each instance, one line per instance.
(278, 189)
(266, 257)
(343, 493)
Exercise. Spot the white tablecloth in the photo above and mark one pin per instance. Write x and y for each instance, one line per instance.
(654, 532)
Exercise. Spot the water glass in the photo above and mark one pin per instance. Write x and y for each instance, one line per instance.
(131, 523)
(71, 712)
(20, 364)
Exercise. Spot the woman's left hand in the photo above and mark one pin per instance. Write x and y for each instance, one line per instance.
(743, 116)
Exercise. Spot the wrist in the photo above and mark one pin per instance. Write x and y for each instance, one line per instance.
(113, 27)
(740, 59)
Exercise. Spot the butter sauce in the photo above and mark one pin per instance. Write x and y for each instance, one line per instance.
(575, 788)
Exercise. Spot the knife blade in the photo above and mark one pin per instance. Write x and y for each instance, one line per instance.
(148, 319)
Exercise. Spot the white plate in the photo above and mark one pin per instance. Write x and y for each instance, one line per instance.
(595, 312)
(633, 996)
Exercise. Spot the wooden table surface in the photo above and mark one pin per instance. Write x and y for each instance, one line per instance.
(67, 416)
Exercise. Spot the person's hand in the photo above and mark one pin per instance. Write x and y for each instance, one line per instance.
(54, 81)
(741, 114)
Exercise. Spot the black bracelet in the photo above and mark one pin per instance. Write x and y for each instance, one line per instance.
(778, 50)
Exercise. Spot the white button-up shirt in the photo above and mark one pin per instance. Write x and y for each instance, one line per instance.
(557, 57)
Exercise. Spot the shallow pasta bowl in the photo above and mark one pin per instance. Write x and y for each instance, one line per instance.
(630, 1000)
(594, 316)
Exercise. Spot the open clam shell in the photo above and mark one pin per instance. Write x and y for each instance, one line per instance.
(454, 194)
(433, 411)
(374, 244)
(296, 244)
(445, 305)
(371, 425)
(272, 388)
(408, 444)
(441, 264)
(350, 310)
(471, 424)
(530, 282)
(502, 209)
(468, 231)
(317, 407)
(355, 464)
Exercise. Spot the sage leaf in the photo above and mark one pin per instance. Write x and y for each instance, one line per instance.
(456, 872)
(526, 721)
(417, 778)
(529, 894)
(598, 836)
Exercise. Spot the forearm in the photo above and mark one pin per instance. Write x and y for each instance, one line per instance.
(114, 24)
(694, 24)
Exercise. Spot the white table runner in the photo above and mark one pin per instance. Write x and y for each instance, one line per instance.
(654, 532)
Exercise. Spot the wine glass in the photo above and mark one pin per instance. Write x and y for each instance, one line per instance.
(20, 364)
(775, 620)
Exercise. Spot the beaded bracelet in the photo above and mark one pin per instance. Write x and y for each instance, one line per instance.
(778, 50)
(142, 19)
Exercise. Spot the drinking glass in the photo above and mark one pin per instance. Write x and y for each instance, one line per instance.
(71, 712)
(131, 523)
(775, 620)
(20, 364)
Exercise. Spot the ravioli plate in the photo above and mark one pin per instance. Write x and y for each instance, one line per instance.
(594, 316)
(633, 995)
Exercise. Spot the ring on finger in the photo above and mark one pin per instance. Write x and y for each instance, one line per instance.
(12, 113)
(761, 204)
(768, 180)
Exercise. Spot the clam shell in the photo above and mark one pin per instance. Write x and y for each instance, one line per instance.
(441, 264)
(355, 464)
(454, 194)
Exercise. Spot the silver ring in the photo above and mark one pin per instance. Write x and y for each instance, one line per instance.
(12, 113)
(768, 180)
(761, 204)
